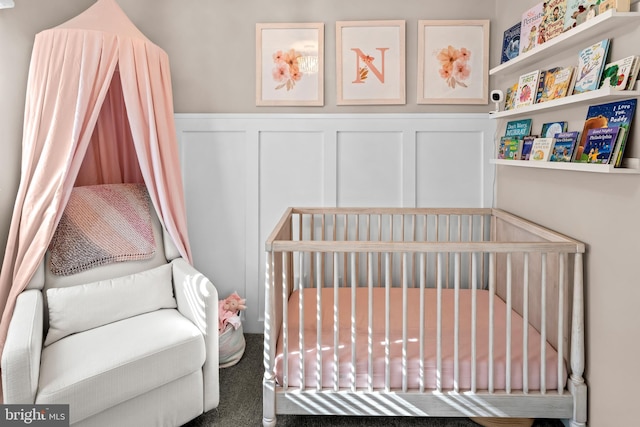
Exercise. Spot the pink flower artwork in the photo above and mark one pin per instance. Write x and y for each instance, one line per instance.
(286, 71)
(454, 66)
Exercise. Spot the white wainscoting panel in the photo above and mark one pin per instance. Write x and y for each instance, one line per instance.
(241, 171)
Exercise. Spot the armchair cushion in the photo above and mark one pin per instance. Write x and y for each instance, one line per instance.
(97, 369)
(83, 307)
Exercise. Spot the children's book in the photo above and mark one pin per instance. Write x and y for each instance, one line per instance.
(527, 142)
(563, 146)
(591, 62)
(529, 25)
(576, 12)
(501, 148)
(527, 89)
(511, 43)
(541, 149)
(519, 128)
(599, 145)
(613, 114)
(616, 149)
(510, 97)
(550, 129)
(634, 73)
(512, 147)
(554, 18)
(616, 74)
(555, 84)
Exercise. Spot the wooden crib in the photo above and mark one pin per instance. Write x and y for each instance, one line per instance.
(422, 312)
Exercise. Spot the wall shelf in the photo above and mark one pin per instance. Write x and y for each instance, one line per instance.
(630, 166)
(578, 37)
(602, 96)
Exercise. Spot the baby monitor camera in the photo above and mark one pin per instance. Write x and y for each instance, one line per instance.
(497, 96)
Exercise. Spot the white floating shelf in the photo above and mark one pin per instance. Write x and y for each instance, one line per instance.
(581, 36)
(601, 96)
(630, 166)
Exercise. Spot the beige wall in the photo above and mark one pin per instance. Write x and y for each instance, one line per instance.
(602, 211)
(211, 47)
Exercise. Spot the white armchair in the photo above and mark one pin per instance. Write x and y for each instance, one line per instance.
(137, 350)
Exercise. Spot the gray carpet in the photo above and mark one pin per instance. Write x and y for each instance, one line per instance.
(241, 402)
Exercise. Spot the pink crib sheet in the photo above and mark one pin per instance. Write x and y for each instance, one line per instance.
(413, 354)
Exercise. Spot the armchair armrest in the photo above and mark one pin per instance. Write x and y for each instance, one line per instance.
(22, 349)
(197, 300)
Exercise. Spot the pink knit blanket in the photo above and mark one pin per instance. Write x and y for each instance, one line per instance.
(102, 224)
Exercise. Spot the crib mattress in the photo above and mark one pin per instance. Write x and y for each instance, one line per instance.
(413, 352)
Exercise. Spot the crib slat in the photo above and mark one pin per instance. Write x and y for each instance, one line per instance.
(387, 323)
(285, 319)
(353, 321)
(301, 319)
(336, 321)
(561, 290)
(474, 312)
(440, 275)
(423, 284)
(456, 326)
(370, 321)
(405, 284)
(492, 293)
(525, 325)
(543, 326)
(508, 331)
(319, 283)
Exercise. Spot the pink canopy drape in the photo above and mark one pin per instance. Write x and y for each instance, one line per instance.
(99, 109)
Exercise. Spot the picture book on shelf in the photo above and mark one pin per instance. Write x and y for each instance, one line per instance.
(520, 128)
(529, 25)
(612, 114)
(541, 149)
(576, 12)
(550, 129)
(591, 61)
(554, 18)
(616, 74)
(634, 74)
(527, 89)
(511, 43)
(554, 83)
(527, 142)
(512, 147)
(563, 146)
(599, 145)
(510, 97)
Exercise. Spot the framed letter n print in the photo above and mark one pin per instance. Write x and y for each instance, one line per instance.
(453, 62)
(290, 64)
(370, 62)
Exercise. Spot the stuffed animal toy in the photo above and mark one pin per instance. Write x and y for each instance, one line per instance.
(229, 310)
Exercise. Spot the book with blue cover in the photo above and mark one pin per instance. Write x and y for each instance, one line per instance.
(599, 145)
(591, 62)
(612, 114)
(563, 146)
(511, 43)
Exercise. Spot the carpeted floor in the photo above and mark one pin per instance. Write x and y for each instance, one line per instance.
(241, 402)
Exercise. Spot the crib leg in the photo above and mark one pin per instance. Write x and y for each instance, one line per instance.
(268, 401)
(579, 392)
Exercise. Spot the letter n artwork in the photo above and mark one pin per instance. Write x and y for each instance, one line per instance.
(370, 62)
(364, 64)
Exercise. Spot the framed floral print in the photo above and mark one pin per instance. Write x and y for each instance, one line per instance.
(453, 62)
(370, 62)
(290, 64)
